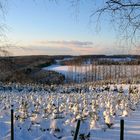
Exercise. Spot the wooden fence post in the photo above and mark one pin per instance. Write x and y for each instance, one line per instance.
(12, 123)
(121, 129)
(77, 130)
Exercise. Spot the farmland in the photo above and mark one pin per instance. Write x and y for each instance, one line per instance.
(99, 95)
(52, 112)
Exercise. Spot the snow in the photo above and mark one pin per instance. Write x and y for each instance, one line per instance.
(4, 129)
(46, 136)
(58, 68)
(51, 115)
(87, 71)
(64, 59)
(127, 59)
(131, 129)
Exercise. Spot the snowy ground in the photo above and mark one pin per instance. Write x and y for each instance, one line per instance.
(131, 128)
(52, 113)
(100, 72)
(58, 68)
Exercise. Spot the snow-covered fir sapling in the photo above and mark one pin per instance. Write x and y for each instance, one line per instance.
(84, 130)
(112, 109)
(56, 127)
(133, 97)
(109, 121)
(23, 110)
(46, 110)
(93, 120)
(120, 91)
(56, 124)
(115, 88)
(136, 95)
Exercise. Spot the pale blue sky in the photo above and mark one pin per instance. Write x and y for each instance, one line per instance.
(34, 25)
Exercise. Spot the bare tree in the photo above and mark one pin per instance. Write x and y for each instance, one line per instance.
(3, 51)
(124, 13)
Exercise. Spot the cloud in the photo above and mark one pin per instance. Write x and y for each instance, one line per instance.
(69, 48)
(63, 43)
(45, 50)
(56, 50)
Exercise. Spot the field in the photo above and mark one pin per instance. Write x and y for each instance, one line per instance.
(50, 94)
(51, 112)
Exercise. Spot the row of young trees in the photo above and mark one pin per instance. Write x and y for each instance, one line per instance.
(95, 72)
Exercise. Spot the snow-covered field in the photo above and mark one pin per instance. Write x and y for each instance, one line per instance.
(58, 68)
(51, 113)
(88, 72)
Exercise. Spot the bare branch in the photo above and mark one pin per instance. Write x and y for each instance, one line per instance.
(125, 13)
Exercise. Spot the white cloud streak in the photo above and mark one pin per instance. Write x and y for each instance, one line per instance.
(75, 43)
(44, 47)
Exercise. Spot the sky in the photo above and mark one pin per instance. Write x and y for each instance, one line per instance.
(39, 27)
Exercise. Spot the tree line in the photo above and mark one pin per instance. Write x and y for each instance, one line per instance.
(95, 71)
